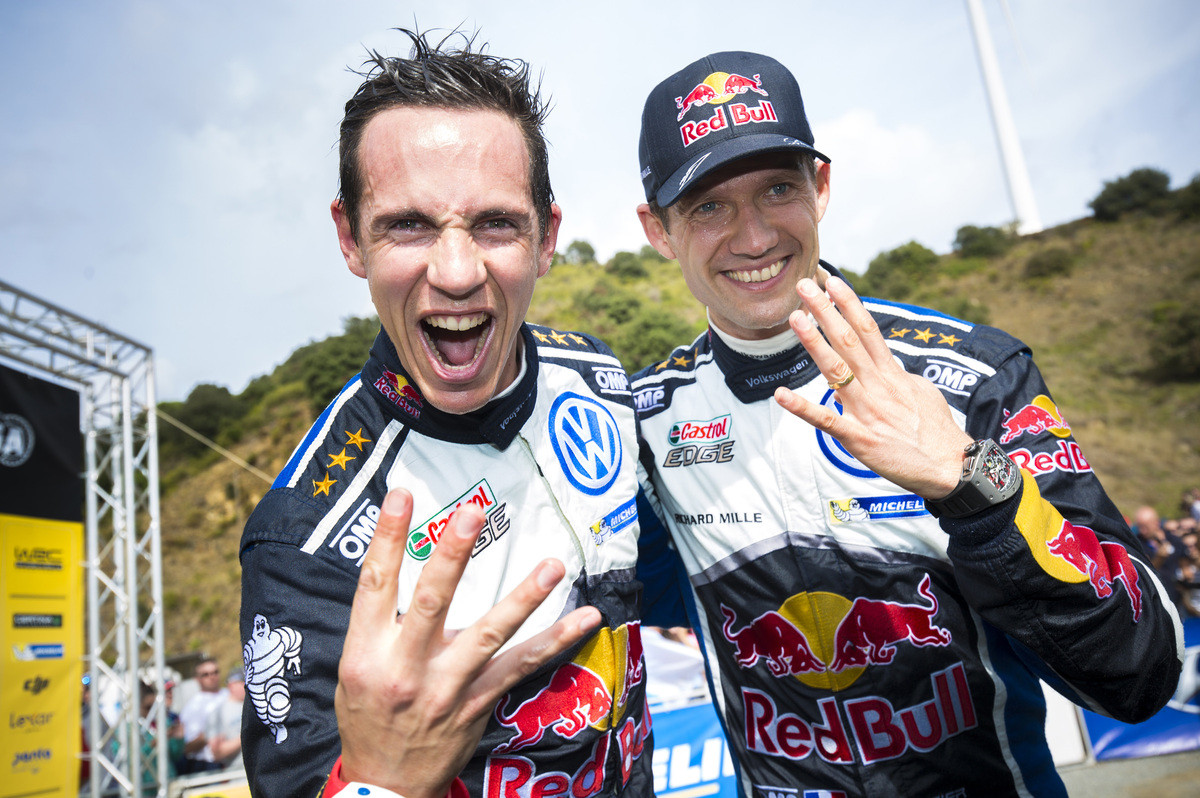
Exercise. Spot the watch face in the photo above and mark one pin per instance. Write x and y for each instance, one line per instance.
(997, 467)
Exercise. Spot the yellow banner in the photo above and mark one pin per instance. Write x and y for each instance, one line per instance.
(41, 653)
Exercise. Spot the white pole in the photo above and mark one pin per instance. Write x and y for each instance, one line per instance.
(1020, 190)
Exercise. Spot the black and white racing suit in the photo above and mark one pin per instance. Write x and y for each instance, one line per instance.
(855, 644)
(553, 463)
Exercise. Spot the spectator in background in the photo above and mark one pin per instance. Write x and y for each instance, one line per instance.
(1190, 504)
(195, 714)
(225, 724)
(1162, 548)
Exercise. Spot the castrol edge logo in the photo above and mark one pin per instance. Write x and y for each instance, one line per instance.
(710, 431)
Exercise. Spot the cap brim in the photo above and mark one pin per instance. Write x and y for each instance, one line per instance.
(723, 153)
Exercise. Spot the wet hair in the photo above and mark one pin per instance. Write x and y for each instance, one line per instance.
(804, 164)
(442, 76)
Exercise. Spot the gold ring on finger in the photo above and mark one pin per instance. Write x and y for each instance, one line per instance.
(842, 383)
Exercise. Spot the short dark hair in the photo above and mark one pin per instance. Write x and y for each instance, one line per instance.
(439, 76)
(805, 164)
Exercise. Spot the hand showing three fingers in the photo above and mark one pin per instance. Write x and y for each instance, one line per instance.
(897, 424)
(413, 699)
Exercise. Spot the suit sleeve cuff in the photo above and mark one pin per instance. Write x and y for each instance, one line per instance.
(336, 787)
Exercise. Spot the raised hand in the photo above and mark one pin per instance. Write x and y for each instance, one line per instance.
(897, 424)
(413, 699)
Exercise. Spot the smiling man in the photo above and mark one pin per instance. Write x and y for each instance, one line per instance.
(481, 458)
(889, 531)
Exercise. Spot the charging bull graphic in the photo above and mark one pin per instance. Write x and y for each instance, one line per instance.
(1102, 562)
(267, 656)
(772, 637)
(575, 699)
(871, 629)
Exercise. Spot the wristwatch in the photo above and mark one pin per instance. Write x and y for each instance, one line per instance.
(989, 476)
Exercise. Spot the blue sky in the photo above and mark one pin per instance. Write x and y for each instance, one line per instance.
(166, 167)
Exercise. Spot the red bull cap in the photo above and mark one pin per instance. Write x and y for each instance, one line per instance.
(721, 108)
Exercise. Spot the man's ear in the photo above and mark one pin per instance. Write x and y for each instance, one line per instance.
(823, 173)
(549, 240)
(656, 234)
(346, 240)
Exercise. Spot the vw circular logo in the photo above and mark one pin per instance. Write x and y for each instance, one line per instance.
(586, 442)
(16, 440)
(834, 451)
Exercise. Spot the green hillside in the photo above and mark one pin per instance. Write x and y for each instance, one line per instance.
(1109, 309)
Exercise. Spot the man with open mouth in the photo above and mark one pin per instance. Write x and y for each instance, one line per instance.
(440, 585)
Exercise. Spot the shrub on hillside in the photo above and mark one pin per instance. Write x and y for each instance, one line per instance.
(1176, 333)
(648, 337)
(1049, 262)
(626, 266)
(1143, 189)
(982, 242)
(1187, 200)
(580, 251)
(894, 274)
(651, 254)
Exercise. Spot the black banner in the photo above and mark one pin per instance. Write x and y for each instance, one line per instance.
(41, 448)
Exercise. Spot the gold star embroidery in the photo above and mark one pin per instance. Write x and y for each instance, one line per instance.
(339, 460)
(924, 336)
(948, 340)
(540, 336)
(899, 333)
(579, 339)
(324, 485)
(662, 365)
(356, 439)
(681, 360)
(558, 337)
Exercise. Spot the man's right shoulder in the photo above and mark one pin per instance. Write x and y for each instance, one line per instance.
(325, 501)
(654, 385)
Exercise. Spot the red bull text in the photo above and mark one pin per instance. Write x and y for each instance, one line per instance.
(880, 731)
(400, 392)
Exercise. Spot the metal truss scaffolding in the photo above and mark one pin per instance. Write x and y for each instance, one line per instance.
(115, 378)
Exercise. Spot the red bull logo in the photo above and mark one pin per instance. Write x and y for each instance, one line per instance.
(575, 699)
(719, 87)
(1102, 562)
(1040, 415)
(867, 634)
(878, 731)
(772, 638)
(400, 392)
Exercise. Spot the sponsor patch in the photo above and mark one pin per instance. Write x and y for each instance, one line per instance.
(615, 522)
(400, 392)
(270, 656)
(649, 398)
(876, 508)
(352, 539)
(1066, 457)
(951, 377)
(715, 429)
(611, 381)
(689, 454)
(423, 538)
(38, 559)
(1040, 415)
(586, 441)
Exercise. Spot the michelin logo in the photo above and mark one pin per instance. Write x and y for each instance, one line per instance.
(615, 522)
(876, 508)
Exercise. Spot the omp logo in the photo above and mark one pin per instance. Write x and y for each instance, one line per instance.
(951, 377)
(16, 440)
(586, 442)
(352, 539)
(649, 398)
(610, 380)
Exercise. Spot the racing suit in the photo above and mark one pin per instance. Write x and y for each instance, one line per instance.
(854, 644)
(553, 463)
